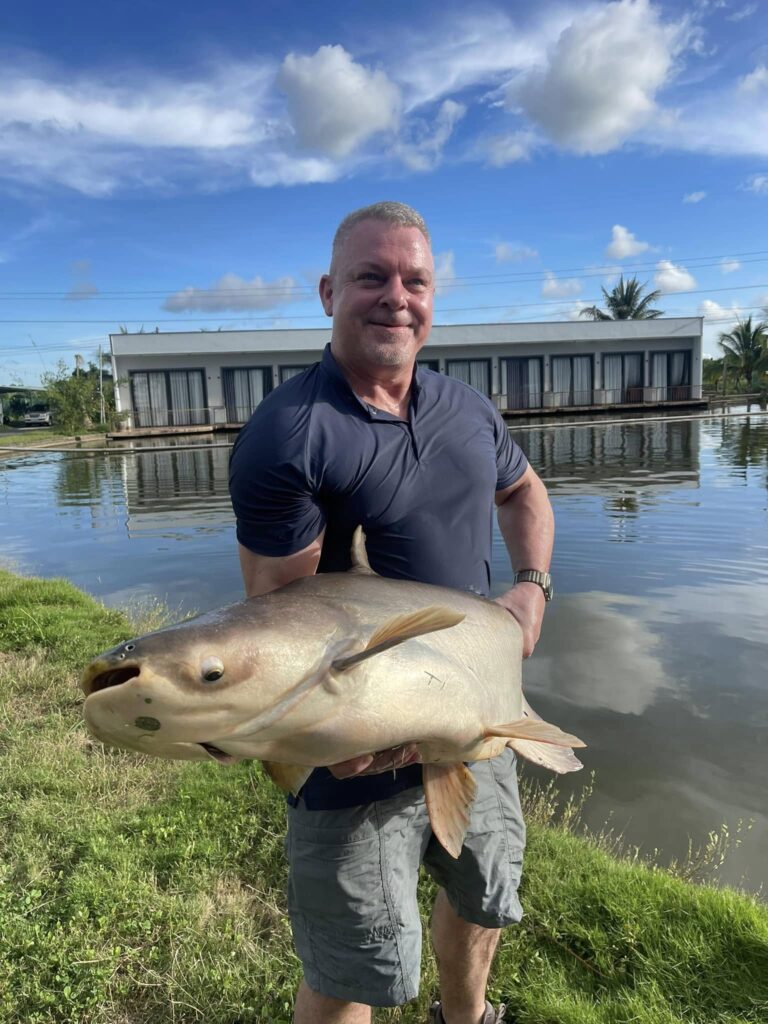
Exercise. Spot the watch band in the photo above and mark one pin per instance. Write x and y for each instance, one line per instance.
(541, 579)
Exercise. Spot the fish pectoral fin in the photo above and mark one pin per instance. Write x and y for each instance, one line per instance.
(400, 629)
(359, 556)
(290, 777)
(449, 790)
(535, 729)
(538, 741)
(557, 759)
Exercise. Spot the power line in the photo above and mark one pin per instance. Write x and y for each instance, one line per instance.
(310, 290)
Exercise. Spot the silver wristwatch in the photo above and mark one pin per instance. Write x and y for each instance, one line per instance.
(541, 579)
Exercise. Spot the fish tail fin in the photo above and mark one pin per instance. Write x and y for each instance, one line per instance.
(449, 790)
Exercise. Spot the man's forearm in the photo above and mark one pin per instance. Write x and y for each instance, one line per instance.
(527, 525)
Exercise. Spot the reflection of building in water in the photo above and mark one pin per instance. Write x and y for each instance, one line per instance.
(661, 453)
(173, 380)
(176, 491)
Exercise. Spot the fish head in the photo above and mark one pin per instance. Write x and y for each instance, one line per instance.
(175, 692)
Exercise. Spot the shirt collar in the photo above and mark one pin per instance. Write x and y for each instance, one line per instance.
(333, 370)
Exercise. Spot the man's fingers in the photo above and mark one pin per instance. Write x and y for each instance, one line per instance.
(374, 764)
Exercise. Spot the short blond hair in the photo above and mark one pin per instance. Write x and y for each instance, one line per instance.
(389, 211)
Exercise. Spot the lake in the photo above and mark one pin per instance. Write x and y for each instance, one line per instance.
(655, 650)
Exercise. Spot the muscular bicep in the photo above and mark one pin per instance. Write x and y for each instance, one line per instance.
(262, 573)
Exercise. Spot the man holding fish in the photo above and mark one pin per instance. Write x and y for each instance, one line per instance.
(417, 458)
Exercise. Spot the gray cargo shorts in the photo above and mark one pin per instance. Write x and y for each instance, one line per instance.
(353, 874)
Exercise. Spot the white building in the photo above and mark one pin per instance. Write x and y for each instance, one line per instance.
(174, 380)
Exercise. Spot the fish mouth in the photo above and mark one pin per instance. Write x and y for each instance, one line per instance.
(218, 755)
(95, 680)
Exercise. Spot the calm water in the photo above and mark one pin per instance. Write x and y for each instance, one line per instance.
(655, 650)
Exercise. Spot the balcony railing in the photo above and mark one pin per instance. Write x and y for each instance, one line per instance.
(598, 396)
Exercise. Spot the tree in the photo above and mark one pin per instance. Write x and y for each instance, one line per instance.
(625, 301)
(74, 398)
(746, 348)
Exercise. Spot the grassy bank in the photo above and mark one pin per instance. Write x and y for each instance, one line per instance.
(142, 892)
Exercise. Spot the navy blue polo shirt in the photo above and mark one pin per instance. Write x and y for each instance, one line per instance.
(315, 456)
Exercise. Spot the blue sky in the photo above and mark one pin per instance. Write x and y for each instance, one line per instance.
(185, 167)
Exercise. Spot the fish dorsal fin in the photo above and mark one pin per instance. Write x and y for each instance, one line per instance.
(290, 777)
(449, 790)
(401, 628)
(359, 555)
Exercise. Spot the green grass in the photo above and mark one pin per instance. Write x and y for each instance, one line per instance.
(135, 891)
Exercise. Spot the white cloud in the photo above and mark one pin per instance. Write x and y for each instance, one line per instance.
(744, 12)
(553, 288)
(624, 244)
(231, 292)
(694, 197)
(508, 148)
(728, 265)
(423, 153)
(599, 83)
(755, 80)
(717, 318)
(511, 252)
(670, 278)
(336, 104)
(278, 168)
(445, 273)
(758, 184)
(163, 114)
(711, 310)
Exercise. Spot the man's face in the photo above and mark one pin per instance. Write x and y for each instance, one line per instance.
(380, 296)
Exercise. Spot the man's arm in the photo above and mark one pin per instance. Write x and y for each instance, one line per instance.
(262, 573)
(528, 528)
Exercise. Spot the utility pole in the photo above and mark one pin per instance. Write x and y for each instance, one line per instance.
(101, 388)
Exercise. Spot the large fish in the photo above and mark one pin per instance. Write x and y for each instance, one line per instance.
(327, 668)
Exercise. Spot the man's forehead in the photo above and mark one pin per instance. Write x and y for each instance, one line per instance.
(374, 240)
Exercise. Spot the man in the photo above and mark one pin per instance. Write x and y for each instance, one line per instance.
(417, 458)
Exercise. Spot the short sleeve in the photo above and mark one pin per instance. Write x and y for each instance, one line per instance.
(275, 504)
(511, 462)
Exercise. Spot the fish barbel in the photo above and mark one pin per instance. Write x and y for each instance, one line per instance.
(328, 668)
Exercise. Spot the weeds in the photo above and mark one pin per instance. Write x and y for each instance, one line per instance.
(135, 891)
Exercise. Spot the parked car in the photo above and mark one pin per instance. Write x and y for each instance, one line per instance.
(37, 416)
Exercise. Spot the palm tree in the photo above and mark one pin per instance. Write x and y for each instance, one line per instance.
(625, 301)
(747, 346)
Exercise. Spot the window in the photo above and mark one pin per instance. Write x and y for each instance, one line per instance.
(623, 376)
(521, 383)
(671, 375)
(286, 372)
(168, 398)
(429, 364)
(572, 380)
(476, 372)
(244, 389)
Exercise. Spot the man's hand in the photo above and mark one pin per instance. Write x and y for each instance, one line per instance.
(374, 764)
(525, 602)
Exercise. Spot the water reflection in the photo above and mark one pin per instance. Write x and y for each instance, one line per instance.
(654, 650)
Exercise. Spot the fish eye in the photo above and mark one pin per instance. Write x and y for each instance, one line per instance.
(130, 647)
(212, 669)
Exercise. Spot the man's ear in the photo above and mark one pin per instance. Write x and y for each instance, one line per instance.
(326, 293)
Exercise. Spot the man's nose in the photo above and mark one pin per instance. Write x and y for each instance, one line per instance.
(394, 295)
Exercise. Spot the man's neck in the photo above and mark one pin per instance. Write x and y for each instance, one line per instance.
(384, 387)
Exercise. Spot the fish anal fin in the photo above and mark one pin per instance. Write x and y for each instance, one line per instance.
(557, 759)
(402, 628)
(290, 777)
(449, 790)
(536, 730)
(359, 556)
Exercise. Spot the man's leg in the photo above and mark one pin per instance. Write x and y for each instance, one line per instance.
(312, 1008)
(464, 955)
